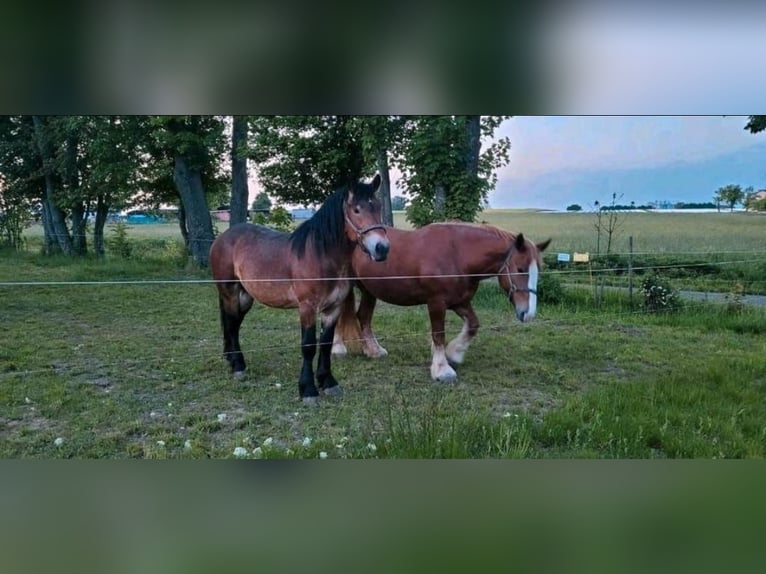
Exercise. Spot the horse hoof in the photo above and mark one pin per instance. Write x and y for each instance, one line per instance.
(446, 378)
(311, 401)
(335, 392)
(339, 351)
(239, 375)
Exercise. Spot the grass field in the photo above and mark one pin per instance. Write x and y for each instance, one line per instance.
(134, 370)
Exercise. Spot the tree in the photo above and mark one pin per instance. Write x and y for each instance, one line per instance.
(574, 207)
(194, 145)
(398, 203)
(609, 221)
(444, 171)
(239, 189)
(730, 194)
(381, 135)
(753, 203)
(756, 124)
(22, 185)
(262, 202)
(303, 159)
(54, 219)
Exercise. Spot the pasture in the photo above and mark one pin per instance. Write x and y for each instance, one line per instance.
(132, 366)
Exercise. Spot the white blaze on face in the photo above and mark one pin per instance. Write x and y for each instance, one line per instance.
(371, 241)
(532, 285)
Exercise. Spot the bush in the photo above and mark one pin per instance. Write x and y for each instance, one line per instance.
(278, 218)
(118, 243)
(549, 289)
(658, 295)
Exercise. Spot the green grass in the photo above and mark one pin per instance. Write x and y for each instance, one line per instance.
(134, 370)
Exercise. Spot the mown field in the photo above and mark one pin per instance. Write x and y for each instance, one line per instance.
(131, 367)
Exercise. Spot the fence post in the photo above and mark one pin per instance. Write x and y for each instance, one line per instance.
(630, 270)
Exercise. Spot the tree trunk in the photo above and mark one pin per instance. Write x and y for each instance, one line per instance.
(385, 187)
(473, 145)
(440, 202)
(182, 224)
(239, 189)
(56, 216)
(78, 214)
(79, 217)
(102, 210)
(471, 159)
(50, 243)
(200, 227)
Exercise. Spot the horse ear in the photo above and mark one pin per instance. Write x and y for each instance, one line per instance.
(543, 245)
(375, 182)
(520, 244)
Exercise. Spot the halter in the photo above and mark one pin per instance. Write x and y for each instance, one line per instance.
(507, 267)
(360, 232)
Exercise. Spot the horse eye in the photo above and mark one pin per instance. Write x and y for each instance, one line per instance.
(357, 210)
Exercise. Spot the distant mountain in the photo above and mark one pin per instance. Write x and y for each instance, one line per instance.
(694, 181)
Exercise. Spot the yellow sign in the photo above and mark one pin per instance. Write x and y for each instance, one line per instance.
(581, 257)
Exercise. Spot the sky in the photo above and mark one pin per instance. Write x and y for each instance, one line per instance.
(693, 153)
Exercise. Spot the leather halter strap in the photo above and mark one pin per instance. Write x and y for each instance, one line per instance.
(506, 265)
(360, 232)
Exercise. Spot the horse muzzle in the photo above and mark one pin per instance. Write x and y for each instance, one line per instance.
(376, 248)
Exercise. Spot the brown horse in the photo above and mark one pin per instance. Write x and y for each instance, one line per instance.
(440, 265)
(307, 269)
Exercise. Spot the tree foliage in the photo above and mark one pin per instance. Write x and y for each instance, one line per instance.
(731, 195)
(303, 159)
(398, 203)
(262, 202)
(444, 173)
(756, 124)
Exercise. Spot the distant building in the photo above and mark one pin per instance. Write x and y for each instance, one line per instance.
(302, 213)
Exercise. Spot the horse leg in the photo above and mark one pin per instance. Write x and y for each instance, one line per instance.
(347, 326)
(306, 388)
(459, 345)
(440, 368)
(327, 383)
(370, 344)
(234, 303)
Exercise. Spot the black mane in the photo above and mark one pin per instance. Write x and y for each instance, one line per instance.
(326, 228)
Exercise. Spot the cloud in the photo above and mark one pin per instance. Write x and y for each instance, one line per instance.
(541, 145)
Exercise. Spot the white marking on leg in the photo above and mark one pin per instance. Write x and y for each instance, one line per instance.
(440, 369)
(459, 345)
(373, 349)
(532, 284)
(338, 346)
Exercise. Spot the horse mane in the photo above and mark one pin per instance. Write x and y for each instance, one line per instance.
(326, 228)
(502, 233)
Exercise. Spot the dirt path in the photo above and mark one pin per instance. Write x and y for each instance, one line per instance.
(759, 300)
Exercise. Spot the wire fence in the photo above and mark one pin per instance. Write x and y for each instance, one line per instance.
(211, 349)
(583, 271)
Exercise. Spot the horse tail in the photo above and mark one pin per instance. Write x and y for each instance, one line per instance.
(347, 329)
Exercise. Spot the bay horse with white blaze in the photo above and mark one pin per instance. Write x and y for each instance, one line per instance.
(440, 265)
(307, 269)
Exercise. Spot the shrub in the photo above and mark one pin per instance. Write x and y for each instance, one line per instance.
(734, 299)
(118, 243)
(549, 289)
(658, 295)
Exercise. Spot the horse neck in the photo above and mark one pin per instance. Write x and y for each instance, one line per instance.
(494, 245)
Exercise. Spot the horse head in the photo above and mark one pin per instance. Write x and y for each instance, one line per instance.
(364, 224)
(519, 274)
